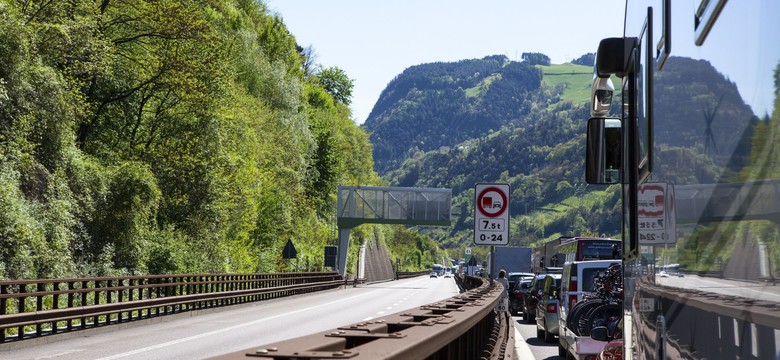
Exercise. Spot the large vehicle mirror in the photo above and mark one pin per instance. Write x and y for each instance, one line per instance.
(599, 333)
(603, 151)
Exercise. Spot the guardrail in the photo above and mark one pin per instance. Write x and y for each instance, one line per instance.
(705, 325)
(463, 327)
(409, 274)
(34, 308)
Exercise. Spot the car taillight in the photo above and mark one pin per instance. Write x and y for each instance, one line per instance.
(572, 289)
(552, 308)
(518, 295)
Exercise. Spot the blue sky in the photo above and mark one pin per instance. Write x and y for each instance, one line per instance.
(374, 41)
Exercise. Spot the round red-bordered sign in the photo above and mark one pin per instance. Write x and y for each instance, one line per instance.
(487, 204)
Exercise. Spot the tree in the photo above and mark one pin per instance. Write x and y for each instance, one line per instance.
(309, 56)
(337, 84)
(536, 59)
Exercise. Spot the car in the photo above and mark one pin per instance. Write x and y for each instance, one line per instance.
(448, 274)
(514, 276)
(547, 308)
(517, 294)
(531, 298)
(434, 275)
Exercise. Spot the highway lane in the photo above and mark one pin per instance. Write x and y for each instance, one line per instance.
(747, 289)
(212, 333)
(528, 346)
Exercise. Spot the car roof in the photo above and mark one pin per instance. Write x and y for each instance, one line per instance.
(523, 274)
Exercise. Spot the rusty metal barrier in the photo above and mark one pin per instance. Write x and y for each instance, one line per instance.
(465, 326)
(34, 308)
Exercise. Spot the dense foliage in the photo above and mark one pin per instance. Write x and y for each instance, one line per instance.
(166, 136)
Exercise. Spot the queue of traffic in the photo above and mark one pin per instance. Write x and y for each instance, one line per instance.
(579, 303)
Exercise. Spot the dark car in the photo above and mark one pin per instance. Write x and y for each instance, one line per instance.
(531, 298)
(514, 276)
(517, 294)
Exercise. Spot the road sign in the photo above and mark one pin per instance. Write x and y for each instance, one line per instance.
(491, 218)
(657, 220)
(289, 251)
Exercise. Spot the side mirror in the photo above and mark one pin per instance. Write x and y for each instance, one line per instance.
(599, 333)
(603, 155)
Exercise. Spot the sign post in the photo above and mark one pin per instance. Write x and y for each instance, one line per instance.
(491, 218)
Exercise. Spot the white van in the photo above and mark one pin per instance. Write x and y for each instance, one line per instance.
(577, 281)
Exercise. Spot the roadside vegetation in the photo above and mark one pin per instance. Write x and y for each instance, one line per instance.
(169, 137)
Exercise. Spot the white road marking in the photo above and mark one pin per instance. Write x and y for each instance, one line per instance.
(64, 353)
(230, 328)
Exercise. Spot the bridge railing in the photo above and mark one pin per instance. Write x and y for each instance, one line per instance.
(465, 326)
(34, 308)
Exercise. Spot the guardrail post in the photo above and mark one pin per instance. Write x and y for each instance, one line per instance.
(70, 303)
(83, 302)
(766, 337)
(39, 306)
(96, 301)
(3, 302)
(20, 308)
(55, 303)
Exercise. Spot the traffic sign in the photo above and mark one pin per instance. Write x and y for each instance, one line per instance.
(655, 208)
(491, 218)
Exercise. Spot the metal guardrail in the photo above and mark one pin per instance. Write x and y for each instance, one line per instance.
(35, 308)
(465, 326)
(704, 325)
(410, 274)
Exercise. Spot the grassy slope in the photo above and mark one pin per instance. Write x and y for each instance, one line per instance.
(577, 79)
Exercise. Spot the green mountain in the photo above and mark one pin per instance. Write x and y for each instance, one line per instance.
(442, 104)
(437, 125)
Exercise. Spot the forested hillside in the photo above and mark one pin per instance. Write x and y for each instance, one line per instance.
(169, 136)
(442, 104)
(537, 144)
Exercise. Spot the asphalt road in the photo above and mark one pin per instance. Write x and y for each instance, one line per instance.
(211, 333)
(527, 344)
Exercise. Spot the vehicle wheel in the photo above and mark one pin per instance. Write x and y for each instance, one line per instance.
(540, 334)
(572, 319)
(531, 318)
(601, 315)
(548, 337)
(582, 318)
(561, 350)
